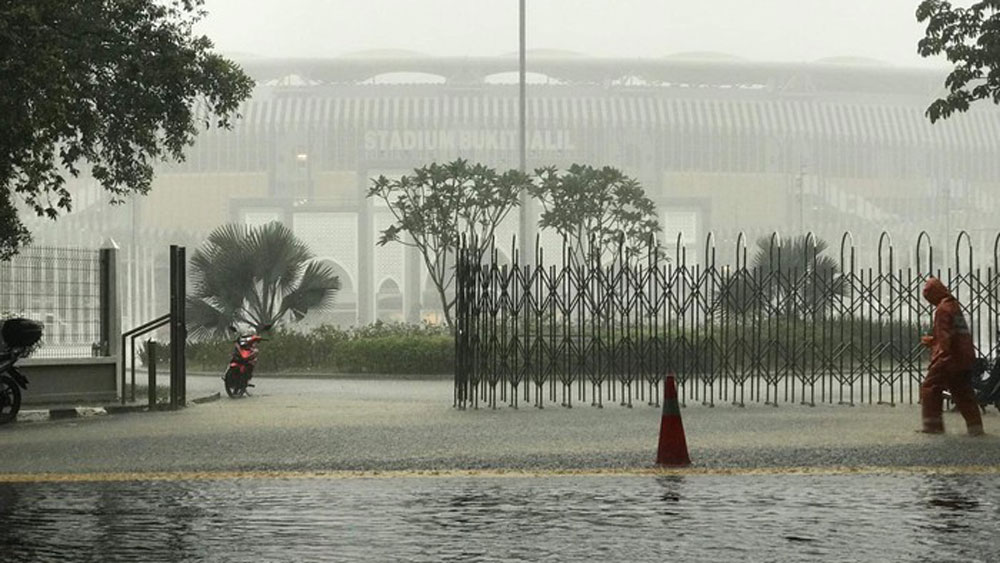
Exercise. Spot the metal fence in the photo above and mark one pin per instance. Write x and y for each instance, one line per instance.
(62, 288)
(779, 322)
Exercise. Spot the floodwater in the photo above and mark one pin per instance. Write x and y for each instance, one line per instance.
(719, 518)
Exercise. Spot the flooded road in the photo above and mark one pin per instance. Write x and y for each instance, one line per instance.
(911, 517)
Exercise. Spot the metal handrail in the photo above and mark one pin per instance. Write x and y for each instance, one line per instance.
(133, 333)
(146, 327)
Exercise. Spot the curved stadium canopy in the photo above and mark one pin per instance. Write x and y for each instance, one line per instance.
(866, 103)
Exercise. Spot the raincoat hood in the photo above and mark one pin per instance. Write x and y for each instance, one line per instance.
(935, 291)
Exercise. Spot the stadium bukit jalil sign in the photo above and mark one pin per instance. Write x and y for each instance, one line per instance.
(411, 140)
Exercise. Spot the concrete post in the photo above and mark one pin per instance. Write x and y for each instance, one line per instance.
(151, 358)
(413, 266)
(178, 326)
(111, 327)
(366, 254)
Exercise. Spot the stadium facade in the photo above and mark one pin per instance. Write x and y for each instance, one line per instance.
(721, 145)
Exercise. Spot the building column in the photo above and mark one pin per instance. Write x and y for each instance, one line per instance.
(413, 267)
(366, 254)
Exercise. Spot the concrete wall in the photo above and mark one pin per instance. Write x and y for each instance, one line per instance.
(88, 379)
(75, 380)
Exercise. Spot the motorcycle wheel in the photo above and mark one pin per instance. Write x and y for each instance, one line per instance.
(10, 400)
(234, 387)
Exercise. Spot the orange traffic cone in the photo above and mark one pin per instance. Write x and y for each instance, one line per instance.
(673, 450)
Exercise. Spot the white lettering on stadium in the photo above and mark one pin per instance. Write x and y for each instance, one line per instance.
(409, 140)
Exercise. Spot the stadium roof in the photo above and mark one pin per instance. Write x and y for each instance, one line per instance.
(704, 69)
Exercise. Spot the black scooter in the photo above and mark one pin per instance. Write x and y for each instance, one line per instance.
(985, 379)
(19, 339)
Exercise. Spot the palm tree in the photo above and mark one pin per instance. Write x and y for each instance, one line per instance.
(799, 280)
(259, 276)
(805, 282)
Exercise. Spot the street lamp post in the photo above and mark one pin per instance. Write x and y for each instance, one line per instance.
(521, 89)
(525, 215)
(801, 181)
(303, 159)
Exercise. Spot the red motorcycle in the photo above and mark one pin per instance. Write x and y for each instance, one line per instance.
(241, 364)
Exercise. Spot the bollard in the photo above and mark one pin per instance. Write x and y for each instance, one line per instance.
(151, 358)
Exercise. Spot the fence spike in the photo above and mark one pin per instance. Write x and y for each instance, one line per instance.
(930, 252)
(958, 243)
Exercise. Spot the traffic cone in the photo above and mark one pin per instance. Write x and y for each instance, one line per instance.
(673, 450)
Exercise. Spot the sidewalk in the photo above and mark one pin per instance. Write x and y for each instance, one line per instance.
(58, 411)
(338, 425)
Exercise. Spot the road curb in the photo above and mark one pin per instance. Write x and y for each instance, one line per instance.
(60, 414)
(207, 399)
(42, 415)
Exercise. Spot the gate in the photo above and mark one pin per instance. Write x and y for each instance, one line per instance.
(782, 322)
(178, 338)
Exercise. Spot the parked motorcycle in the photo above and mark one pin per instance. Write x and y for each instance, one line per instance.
(241, 363)
(19, 339)
(985, 379)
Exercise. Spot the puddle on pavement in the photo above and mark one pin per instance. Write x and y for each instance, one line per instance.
(638, 518)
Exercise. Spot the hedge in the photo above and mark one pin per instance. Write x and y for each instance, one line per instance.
(430, 350)
(379, 348)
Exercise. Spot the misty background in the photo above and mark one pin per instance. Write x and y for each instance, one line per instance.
(736, 117)
(762, 30)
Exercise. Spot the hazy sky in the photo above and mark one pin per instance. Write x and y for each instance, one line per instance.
(762, 30)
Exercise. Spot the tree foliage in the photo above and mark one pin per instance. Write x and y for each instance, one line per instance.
(437, 204)
(970, 39)
(258, 276)
(601, 212)
(105, 88)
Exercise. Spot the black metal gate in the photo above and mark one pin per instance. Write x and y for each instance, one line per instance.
(790, 324)
(177, 321)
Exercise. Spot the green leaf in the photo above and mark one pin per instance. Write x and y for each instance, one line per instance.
(439, 203)
(256, 275)
(105, 86)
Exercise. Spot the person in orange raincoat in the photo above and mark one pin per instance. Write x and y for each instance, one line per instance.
(952, 356)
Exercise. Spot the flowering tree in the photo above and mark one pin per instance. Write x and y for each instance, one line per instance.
(437, 204)
(602, 213)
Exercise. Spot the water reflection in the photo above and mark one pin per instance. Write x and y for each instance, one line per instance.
(670, 492)
(945, 493)
(10, 503)
(723, 518)
(952, 506)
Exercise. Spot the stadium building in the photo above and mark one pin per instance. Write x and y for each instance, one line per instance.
(721, 144)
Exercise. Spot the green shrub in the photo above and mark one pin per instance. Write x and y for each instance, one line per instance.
(162, 352)
(379, 349)
(208, 354)
(771, 344)
(397, 349)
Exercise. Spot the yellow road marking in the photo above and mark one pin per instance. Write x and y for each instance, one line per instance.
(489, 473)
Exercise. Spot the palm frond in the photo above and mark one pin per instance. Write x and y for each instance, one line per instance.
(205, 319)
(245, 274)
(315, 291)
(279, 256)
(221, 268)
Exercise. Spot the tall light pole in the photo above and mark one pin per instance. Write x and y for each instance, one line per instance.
(801, 181)
(525, 215)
